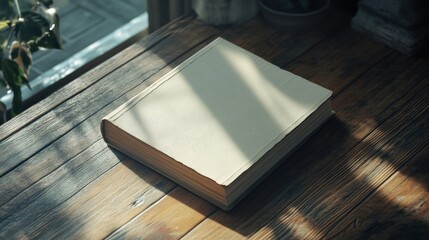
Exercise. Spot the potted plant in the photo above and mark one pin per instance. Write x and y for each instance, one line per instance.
(24, 29)
(295, 14)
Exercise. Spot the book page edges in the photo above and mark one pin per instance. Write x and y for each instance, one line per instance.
(181, 174)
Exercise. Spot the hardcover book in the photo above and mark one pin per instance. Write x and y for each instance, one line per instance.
(219, 122)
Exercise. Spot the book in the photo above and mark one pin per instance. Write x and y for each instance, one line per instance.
(218, 123)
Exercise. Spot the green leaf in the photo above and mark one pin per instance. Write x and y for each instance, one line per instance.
(14, 74)
(21, 55)
(15, 78)
(4, 24)
(32, 27)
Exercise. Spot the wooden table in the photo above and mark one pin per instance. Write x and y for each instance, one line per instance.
(364, 174)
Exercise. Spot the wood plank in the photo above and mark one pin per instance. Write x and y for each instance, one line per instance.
(339, 60)
(339, 191)
(182, 209)
(396, 210)
(287, 46)
(29, 141)
(83, 82)
(329, 145)
(46, 194)
(118, 197)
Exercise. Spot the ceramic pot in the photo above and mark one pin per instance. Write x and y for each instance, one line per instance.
(295, 21)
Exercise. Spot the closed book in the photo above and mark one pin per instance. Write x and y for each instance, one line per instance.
(218, 123)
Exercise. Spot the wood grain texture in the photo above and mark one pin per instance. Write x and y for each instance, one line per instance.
(396, 210)
(339, 60)
(342, 187)
(48, 193)
(183, 209)
(99, 209)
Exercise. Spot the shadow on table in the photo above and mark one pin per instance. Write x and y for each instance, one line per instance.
(295, 201)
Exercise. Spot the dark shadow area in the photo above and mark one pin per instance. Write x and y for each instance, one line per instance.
(336, 15)
(161, 183)
(397, 213)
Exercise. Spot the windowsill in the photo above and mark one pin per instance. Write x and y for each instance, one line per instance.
(78, 64)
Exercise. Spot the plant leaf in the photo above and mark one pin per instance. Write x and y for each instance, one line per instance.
(4, 24)
(14, 74)
(21, 55)
(14, 77)
(32, 27)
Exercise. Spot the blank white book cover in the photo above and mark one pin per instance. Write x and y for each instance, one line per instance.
(221, 110)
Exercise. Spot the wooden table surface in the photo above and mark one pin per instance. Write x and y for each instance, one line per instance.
(364, 174)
